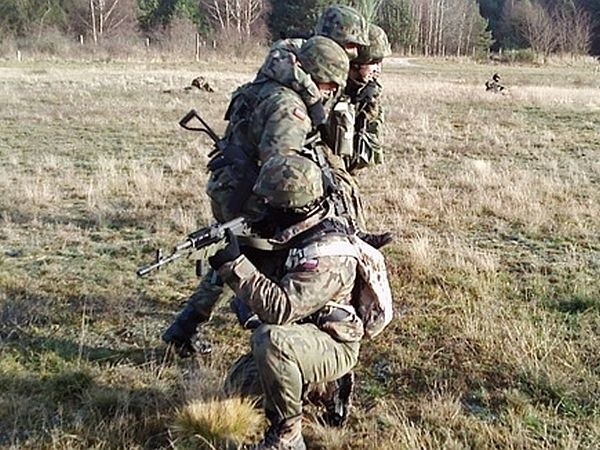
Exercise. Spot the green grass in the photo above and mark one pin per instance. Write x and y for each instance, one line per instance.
(494, 201)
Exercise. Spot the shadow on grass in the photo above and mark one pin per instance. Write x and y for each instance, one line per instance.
(40, 410)
(28, 345)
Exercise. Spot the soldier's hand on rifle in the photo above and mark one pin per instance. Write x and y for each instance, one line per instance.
(227, 254)
(317, 114)
(369, 93)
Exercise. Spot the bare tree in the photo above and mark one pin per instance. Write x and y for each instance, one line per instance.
(107, 16)
(574, 30)
(446, 27)
(368, 8)
(538, 27)
(235, 15)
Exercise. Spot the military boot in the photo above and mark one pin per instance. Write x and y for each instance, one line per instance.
(338, 400)
(181, 335)
(283, 435)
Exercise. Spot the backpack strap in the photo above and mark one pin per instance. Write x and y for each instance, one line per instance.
(338, 247)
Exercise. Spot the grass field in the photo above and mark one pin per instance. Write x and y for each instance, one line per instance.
(494, 201)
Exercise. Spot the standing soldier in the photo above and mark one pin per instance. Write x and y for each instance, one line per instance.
(344, 25)
(363, 91)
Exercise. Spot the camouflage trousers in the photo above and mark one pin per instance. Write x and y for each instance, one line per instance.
(285, 359)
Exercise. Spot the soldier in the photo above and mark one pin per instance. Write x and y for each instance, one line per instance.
(345, 26)
(310, 331)
(349, 29)
(494, 85)
(265, 119)
(364, 92)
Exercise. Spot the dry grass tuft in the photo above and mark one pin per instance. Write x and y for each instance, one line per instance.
(218, 422)
(319, 437)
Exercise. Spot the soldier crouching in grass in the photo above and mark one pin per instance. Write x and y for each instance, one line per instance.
(310, 332)
(494, 85)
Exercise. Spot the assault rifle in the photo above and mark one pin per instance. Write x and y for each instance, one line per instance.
(200, 244)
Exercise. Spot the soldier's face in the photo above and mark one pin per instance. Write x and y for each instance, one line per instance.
(364, 73)
(328, 94)
(327, 90)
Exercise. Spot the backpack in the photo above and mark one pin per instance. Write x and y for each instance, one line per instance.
(372, 296)
(373, 302)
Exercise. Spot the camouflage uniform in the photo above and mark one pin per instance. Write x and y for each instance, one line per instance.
(364, 98)
(494, 85)
(344, 25)
(310, 331)
(265, 119)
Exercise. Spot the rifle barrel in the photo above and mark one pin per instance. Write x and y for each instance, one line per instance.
(161, 262)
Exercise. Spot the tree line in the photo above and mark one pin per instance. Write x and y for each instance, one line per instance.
(425, 27)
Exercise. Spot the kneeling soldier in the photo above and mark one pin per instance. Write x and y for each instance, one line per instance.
(310, 332)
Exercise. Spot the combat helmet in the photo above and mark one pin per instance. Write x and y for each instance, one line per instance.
(378, 48)
(324, 61)
(289, 182)
(344, 25)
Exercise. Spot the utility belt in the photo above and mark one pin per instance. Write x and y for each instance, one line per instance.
(339, 321)
(332, 312)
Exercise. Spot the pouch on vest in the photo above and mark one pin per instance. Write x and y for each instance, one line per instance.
(232, 175)
(373, 301)
(233, 170)
(342, 126)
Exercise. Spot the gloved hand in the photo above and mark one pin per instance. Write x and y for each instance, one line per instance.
(369, 93)
(227, 254)
(376, 240)
(325, 136)
(317, 114)
(181, 334)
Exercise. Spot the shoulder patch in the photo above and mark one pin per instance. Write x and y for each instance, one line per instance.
(310, 265)
(299, 113)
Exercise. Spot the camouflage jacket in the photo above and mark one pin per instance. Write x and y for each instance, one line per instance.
(267, 118)
(494, 86)
(305, 292)
(281, 65)
(369, 122)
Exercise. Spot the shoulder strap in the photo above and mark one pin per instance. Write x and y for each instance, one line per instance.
(299, 255)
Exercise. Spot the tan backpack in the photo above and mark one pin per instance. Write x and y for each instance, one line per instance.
(372, 298)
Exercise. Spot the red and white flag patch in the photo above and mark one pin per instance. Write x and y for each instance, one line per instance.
(299, 113)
